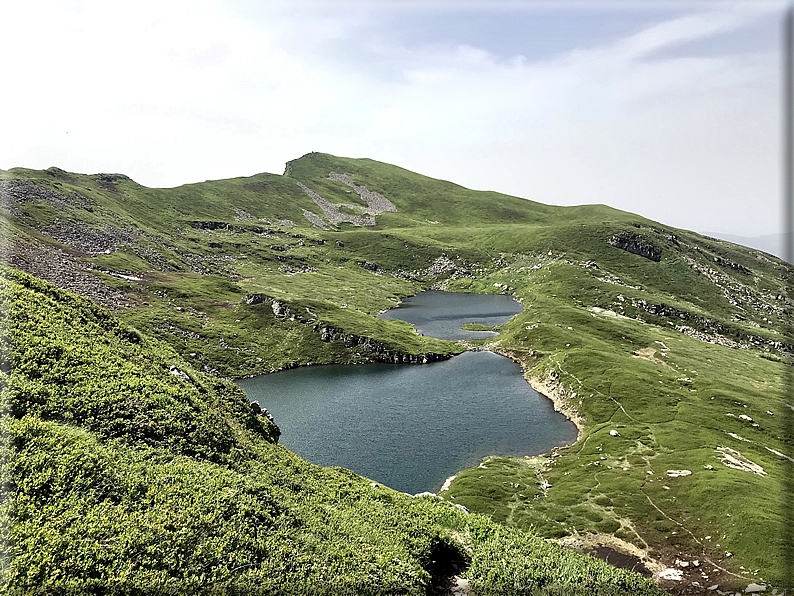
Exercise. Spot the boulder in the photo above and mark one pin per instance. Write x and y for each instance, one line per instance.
(279, 309)
(254, 299)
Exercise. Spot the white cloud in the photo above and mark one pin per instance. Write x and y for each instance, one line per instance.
(184, 91)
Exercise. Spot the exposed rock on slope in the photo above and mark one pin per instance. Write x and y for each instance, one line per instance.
(331, 210)
(636, 244)
(376, 203)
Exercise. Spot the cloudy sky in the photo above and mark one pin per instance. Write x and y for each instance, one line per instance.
(670, 109)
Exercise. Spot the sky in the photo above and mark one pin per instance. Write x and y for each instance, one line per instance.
(670, 109)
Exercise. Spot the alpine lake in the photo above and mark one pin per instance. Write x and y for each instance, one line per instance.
(412, 426)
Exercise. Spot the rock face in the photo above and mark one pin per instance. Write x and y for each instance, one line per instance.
(211, 225)
(636, 244)
(731, 265)
(709, 330)
(254, 299)
(260, 411)
(279, 309)
(379, 352)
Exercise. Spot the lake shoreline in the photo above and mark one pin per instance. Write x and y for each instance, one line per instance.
(547, 389)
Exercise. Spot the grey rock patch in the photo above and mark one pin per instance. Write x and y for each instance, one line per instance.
(58, 268)
(19, 192)
(734, 459)
(279, 309)
(376, 203)
(84, 238)
(332, 213)
(314, 219)
(181, 375)
(460, 587)
(260, 411)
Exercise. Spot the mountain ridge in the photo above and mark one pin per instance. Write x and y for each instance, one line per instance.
(628, 324)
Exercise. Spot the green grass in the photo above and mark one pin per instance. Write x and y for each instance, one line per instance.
(122, 477)
(599, 322)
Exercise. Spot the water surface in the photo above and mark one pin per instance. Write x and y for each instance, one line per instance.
(440, 314)
(409, 426)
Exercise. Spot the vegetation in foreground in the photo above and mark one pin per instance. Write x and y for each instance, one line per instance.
(128, 471)
(668, 347)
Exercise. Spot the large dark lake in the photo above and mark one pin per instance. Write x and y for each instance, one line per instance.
(407, 426)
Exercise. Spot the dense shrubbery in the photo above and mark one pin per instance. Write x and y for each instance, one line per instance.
(122, 477)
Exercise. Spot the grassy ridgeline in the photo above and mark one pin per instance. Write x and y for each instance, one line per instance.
(676, 341)
(126, 471)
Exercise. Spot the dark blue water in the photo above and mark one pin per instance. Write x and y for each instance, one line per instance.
(440, 314)
(407, 426)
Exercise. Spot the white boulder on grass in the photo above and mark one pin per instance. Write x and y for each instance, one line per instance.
(678, 473)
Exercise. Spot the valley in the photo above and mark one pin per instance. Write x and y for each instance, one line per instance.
(670, 350)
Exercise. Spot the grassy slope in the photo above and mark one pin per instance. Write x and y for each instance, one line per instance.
(123, 477)
(672, 409)
(539, 253)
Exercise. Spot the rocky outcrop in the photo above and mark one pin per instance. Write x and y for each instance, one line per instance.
(260, 411)
(636, 244)
(108, 181)
(18, 192)
(211, 225)
(376, 349)
(709, 330)
(254, 299)
(730, 264)
(280, 309)
(367, 265)
(332, 213)
(376, 203)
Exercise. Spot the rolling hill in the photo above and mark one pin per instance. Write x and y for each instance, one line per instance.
(669, 349)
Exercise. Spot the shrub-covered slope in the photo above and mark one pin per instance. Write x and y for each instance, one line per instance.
(127, 471)
(677, 342)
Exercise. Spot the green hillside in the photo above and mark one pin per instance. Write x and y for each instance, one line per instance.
(127, 471)
(668, 348)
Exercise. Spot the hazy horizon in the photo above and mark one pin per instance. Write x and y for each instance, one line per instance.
(667, 109)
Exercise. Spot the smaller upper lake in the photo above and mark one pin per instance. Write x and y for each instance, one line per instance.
(440, 314)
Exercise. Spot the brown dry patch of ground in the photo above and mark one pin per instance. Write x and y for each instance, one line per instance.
(650, 355)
